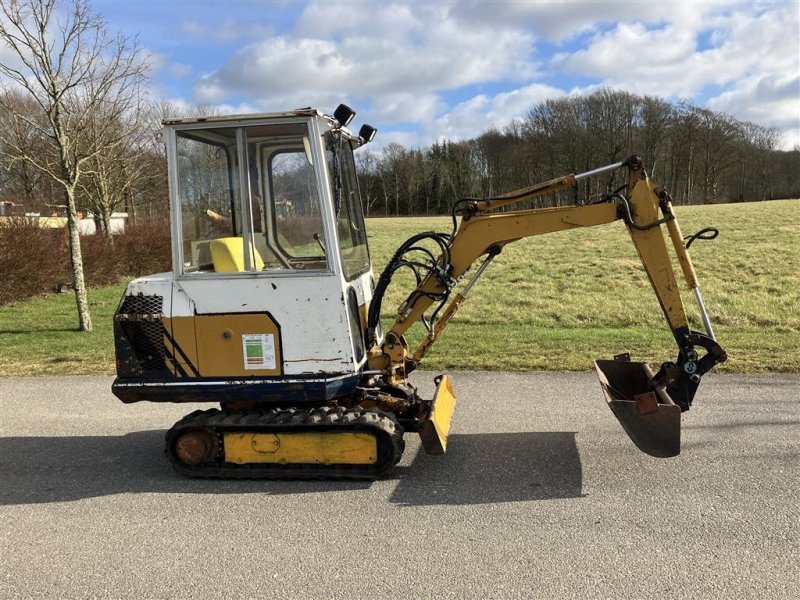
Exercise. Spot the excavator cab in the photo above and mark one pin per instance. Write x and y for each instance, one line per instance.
(271, 268)
(271, 310)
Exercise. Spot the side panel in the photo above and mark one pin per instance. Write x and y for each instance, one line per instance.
(229, 345)
(183, 345)
(224, 344)
(308, 314)
(196, 357)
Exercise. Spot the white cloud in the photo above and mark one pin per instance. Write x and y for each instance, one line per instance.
(404, 107)
(226, 31)
(770, 100)
(335, 19)
(558, 21)
(241, 108)
(278, 67)
(755, 55)
(790, 139)
(406, 62)
(474, 116)
(400, 52)
(179, 69)
(407, 139)
(665, 60)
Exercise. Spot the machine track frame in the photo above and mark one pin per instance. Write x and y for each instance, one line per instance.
(215, 423)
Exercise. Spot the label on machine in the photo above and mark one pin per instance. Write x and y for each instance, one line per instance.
(258, 350)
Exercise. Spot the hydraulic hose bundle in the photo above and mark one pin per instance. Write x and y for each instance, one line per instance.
(429, 265)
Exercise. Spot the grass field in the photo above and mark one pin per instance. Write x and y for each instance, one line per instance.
(553, 302)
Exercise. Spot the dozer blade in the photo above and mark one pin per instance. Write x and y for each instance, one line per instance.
(433, 430)
(649, 417)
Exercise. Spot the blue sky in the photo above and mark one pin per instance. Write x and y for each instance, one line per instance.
(421, 71)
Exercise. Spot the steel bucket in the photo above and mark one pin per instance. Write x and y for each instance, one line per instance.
(649, 416)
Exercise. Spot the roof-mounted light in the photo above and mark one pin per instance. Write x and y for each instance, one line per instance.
(367, 133)
(344, 114)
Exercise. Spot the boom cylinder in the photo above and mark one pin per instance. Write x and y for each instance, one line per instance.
(452, 308)
(680, 248)
(598, 170)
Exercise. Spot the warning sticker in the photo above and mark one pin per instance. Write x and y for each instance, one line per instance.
(258, 350)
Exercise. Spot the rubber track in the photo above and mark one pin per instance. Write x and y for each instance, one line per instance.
(383, 425)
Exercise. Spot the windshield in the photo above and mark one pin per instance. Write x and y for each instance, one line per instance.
(347, 203)
(249, 199)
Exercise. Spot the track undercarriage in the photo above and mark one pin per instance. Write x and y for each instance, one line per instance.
(358, 437)
(325, 442)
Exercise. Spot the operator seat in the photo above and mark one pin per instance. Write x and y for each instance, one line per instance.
(227, 255)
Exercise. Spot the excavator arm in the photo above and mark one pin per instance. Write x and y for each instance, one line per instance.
(647, 404)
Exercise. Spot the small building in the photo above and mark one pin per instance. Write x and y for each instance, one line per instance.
(87, 225)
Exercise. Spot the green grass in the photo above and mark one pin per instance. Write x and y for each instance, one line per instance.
(39, 336)
(559, 301)
(552, 302)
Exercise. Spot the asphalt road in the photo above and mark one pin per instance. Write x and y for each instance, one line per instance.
(541, 495)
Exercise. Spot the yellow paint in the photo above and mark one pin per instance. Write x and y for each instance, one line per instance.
(182, 331)
(476, 235)
(448, 314)
(538, 189)
(228, 255)
(680, 249)
(377, 359)
(213, 343)
(326, 448)
(362, 316)
(652, 248)
(436, 428)
(219, 343)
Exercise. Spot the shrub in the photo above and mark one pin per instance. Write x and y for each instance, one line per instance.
(144, 248)
(99, 260)
(35, 260)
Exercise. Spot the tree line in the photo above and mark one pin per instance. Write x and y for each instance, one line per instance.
(699, 155)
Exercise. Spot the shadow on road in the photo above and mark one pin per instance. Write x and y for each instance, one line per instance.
(59, 469)
(494, 467)
(481, 468)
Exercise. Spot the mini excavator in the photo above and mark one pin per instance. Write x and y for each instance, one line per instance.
(272, 312)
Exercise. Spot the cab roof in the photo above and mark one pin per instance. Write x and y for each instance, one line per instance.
(299, 112)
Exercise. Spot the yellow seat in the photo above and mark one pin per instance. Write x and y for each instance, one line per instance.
(228, 255)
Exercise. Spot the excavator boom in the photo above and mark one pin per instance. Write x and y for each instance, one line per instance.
(648, 405)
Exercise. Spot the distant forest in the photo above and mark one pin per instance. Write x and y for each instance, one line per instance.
(699, 155)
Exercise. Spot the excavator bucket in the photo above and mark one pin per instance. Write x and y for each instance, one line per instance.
(649, 417)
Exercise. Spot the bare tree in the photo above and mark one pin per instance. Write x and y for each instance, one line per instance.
(367, 165)
(110, 177)
(74, 69)
(21, 180)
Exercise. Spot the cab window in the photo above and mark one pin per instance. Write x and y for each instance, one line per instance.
(249, 199)
(350, 227)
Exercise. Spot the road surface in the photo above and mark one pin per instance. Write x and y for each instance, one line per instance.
(541, 495)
